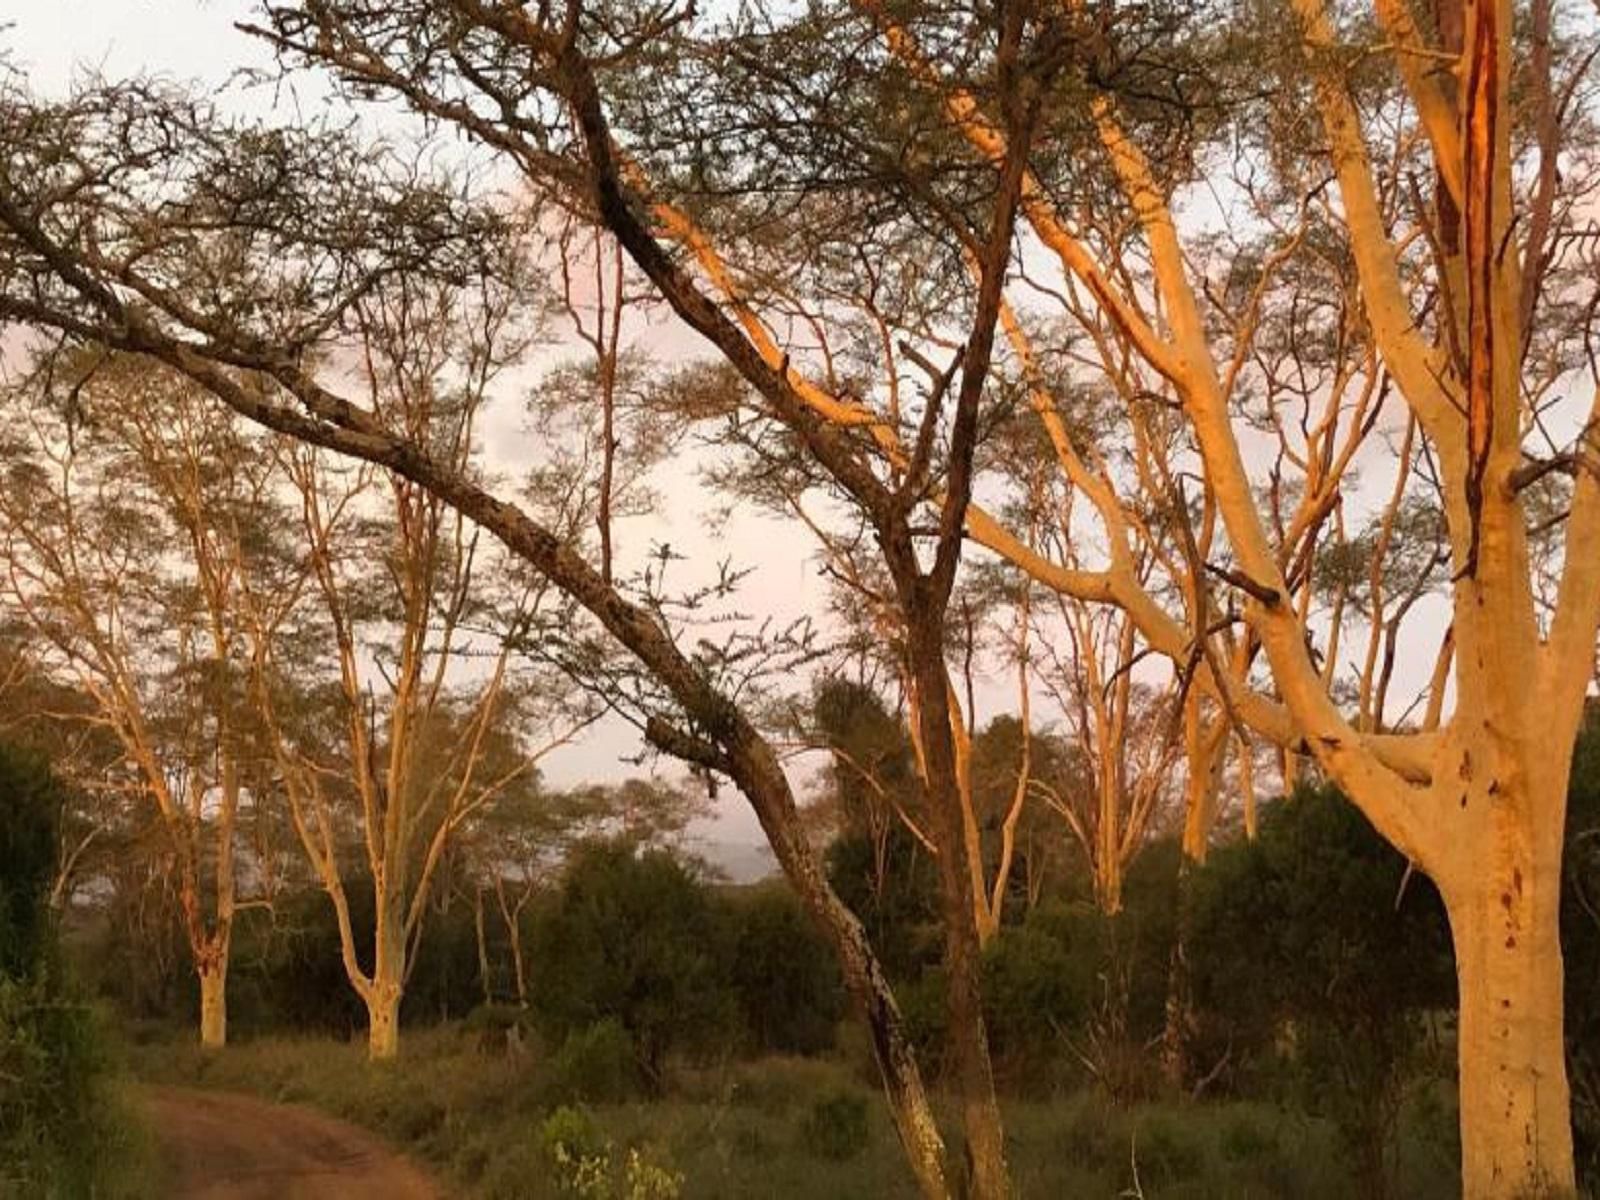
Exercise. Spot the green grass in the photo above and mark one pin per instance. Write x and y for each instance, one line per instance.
(749, 1130)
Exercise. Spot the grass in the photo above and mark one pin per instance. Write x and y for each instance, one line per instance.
(771, 1128)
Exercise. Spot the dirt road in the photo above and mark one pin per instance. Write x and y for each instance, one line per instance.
(223, 1146)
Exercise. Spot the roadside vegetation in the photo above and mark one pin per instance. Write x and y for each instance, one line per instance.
(67, 1127)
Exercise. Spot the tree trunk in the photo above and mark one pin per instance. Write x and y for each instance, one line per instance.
(388, 982)
(383, 1022)
(1107, 864)
(968, 1039)
(1516, 1124)
(1177, 1032)
(213, 1005)
(484, 978)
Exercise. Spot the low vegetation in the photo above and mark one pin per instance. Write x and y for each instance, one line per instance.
(777, 1127)
(66, 1128)
(712, 1055)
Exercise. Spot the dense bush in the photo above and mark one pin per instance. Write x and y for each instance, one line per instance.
(635, 937)
(1071, 992)
(899, 905)
(1315, 949)
(597, 1063)
(62, 1133)
(30, 805)
(784, 974)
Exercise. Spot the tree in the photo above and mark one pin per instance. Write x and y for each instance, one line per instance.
(384, 226)
(634, 936)
(405, 603)
(131, 462)
(1124, 741)
(786, 982)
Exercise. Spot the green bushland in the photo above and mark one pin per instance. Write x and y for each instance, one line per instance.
(785, 1128)
(702, 1026)
(66, 1128)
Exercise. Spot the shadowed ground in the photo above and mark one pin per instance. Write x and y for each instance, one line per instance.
(223, 1146)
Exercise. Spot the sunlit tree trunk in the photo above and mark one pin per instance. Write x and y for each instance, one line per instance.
(214, 1003)
(1500, 878)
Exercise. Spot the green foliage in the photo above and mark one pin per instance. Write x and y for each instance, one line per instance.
(577, 1151)
(634, 937)
(30, 805)
(898, 904)
(584, 1162)
(1070, 983)
(62, 1131)
(52, 1064)
(785, 975)
(1314, 950)
(596, 1063)
(1032, 992)
(836, 1127)
(1580, 943)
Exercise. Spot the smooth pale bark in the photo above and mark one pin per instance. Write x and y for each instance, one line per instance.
(383, 1022)
(485, 979)
(214, 1005)
(382, 995)
(1500, 876)
(1516, 1137)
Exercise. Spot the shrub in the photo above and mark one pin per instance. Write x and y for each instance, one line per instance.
(61, 1130)
(30, 806)
(836, 1127)
(596, 1064)
(579, 1154)
(1309, 928)
(634, 937)
(785, 976)
(1029, 998)
(583, 1162)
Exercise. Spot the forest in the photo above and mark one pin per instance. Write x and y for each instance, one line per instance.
(1108, 493)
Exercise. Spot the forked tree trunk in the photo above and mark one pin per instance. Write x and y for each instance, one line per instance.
(1503, 901)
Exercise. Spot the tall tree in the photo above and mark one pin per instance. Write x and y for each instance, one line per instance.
(134, 513)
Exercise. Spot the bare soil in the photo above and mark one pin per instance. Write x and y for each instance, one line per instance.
(224, 1146)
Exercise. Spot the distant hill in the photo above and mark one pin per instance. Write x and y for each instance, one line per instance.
(741, 862)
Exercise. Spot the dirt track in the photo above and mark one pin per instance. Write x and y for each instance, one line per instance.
(223, 1146)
